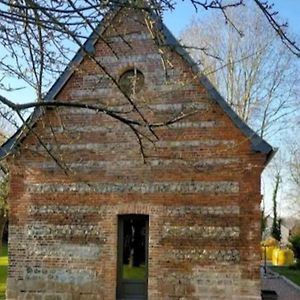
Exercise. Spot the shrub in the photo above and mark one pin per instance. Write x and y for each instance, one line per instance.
(295, 266)
(295, 241)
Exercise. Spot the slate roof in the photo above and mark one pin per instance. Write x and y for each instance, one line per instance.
(257, 143)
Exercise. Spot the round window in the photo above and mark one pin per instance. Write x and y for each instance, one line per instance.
(131, 81)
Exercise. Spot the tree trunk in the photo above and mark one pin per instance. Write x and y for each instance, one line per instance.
(3, 220)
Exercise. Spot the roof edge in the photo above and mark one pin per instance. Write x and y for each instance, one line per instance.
(9, 145)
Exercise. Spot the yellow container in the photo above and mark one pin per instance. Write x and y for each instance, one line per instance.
(270, 242)
(281, 257)
(268, 250)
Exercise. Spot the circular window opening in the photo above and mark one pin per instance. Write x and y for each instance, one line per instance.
(131, 82)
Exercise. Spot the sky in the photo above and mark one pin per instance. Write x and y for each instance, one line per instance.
(289, 10)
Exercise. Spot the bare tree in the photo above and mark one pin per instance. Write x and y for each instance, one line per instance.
(294, 168)
(275, 230)
(3, 194)
(252, 69)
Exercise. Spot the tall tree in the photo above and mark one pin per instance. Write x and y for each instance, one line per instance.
(3, 194)
(251, 68)
(294, 168)
(276, 224)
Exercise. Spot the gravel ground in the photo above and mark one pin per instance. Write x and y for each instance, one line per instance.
(284, 289)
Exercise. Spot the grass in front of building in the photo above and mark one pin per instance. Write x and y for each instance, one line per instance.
(133, 272)
(3, 271)
(290, 273)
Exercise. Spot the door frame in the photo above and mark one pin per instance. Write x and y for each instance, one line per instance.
(120, 239)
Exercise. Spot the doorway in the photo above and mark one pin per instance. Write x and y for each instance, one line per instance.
(132, 257)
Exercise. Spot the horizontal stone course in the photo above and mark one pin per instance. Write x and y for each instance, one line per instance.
(71, 275)
(174, 107)
(87, 165)
(65, 251)
(204, 210)
(131, 37)
(155, 187)
(125, 146)
(44, 230)
(163, 210)
(197, 255)
(200, 232)
(129, 58)
(111, 127)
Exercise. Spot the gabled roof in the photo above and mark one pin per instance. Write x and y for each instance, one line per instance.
(257, 143)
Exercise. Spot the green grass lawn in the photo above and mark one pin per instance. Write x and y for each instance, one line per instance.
(291, 274)
(3, 271)
(133, 272)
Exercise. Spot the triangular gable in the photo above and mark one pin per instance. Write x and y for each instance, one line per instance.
(257, 143)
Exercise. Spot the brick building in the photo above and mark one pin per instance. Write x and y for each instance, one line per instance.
(184, 224)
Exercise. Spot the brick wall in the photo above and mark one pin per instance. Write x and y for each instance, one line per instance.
(200, 186)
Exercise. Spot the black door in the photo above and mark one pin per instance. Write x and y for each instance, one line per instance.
(132, 257)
